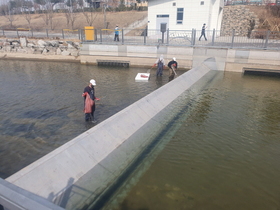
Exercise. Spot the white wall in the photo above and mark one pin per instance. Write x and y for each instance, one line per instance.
(195, 14)
(216, 15)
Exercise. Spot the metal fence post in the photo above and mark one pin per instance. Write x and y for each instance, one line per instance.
(101, 35)
(62, 32)
(17, 33)
(232, 38)
(145, 35)
(47, 33)
(3, 32)
(167, 36)
(31, 32)
(213, 37)
(122, 37)
(193, 37)
(95, 35)
(266, 39)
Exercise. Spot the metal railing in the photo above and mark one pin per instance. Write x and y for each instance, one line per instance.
(16, 198)
(215, 38)
(46, 33)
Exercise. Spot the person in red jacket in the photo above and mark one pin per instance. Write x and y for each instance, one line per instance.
(89, 98)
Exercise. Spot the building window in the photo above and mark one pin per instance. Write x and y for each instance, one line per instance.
(174, 4)
(202, 3)
(180, 15)
(162, 16)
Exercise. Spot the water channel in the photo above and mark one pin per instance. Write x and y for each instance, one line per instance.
(41, 105)
(222, 151)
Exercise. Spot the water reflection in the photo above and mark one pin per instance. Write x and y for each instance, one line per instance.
(223, 154)
(41, 105)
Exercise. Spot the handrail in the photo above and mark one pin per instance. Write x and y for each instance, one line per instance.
(256, 39)
(14, 197)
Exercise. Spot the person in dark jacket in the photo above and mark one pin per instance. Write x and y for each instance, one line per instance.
(172, 65)
(89, 104)
(160, 65)
(203, 32)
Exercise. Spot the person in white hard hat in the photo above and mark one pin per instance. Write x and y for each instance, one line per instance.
(172, 65)
(116, 38)
(160, 65)
(89, 98)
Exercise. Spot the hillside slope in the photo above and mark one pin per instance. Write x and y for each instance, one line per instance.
(269, 17)
(267, 21)
(111, 19)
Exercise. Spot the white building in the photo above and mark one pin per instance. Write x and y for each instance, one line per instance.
(185, 14)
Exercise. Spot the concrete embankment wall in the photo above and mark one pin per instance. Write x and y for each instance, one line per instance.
(187, 57)
(138, 55)
(102, 153)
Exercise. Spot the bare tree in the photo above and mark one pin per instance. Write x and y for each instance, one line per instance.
(27, 16)
(48, 11)
(26, 11)
(3, 9)
(8, 13)
(114, 4)
(48, 16)
(70, 18)
(90, 15)
(70, 14)
(36, 7)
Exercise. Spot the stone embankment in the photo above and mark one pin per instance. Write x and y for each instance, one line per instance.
(39, 47)
(239, 18)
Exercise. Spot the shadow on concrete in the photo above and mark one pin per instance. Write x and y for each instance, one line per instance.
(63, 197)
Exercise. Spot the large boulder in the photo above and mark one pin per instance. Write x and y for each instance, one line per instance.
(23, 41)
(38, 50)
(65, 52)
(30, 50)
(15, 44)
(45, 51)
(75, 53)
(58, 51)
(30, 45)
(42, 43)
(7, 48)
(21, 50)
(53, 43)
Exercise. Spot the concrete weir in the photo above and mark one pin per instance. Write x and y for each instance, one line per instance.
(101, 154)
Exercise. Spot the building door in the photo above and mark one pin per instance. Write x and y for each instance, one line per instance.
(162, 20)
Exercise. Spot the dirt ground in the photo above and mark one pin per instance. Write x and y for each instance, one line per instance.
(122, 19)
